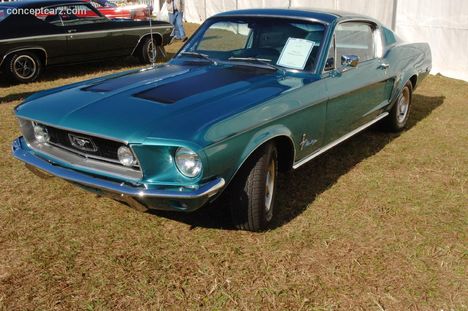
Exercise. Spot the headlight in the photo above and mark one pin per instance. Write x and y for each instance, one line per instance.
(126, 156)
(188, 162)
(40, 134)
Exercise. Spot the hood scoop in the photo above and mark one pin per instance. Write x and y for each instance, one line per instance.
(173, 92)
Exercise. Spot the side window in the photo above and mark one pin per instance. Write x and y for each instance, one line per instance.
(355, 39)
(50, 17)
(76, 14)
(96, 4)
(330, 64)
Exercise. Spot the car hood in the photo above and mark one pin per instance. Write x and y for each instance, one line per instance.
(168, 101)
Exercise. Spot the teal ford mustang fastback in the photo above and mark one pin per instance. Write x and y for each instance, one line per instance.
(252, 93)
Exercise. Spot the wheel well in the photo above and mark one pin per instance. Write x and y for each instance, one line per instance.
(414, 81)
(42, 54)
(285, 148)
(156, 37)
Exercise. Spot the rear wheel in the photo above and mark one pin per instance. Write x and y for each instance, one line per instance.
(150, 52)
(253, 191)
(23, 67)
(399, 114)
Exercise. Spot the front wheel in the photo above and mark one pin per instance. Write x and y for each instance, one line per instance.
(253, 191)
(23, 67)
(399, 114)
(151, 52)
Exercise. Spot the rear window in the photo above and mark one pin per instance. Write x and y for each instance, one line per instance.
(389, 36)
(4, 13)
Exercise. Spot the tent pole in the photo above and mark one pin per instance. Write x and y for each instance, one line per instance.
(394, 17)
(206, 12)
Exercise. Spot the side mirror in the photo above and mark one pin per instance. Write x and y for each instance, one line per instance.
(349, 60)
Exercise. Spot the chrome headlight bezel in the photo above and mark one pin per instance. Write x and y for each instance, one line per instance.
(188, 162)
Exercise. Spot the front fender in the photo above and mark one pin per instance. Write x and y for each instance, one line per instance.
(263, 136)
(227, 157)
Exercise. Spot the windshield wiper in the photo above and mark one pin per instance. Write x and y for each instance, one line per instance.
(200, 55)
(262, 61)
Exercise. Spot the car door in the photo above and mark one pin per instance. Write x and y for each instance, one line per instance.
(89, 35)
(357, 95)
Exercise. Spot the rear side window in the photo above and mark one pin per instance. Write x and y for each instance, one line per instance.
(3, 13)
(355, 39)
(389, 36)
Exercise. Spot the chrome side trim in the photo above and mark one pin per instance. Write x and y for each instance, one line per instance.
(207, 190)
(23, 49)
(81, 33)
(338, 141)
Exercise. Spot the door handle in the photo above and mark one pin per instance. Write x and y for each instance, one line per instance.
(384, 66)
(71, 30)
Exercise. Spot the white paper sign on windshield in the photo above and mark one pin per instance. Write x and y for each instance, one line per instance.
(295, 53)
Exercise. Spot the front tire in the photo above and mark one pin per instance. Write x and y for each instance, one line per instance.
(400, 112)
(253, 191)
(23, 67)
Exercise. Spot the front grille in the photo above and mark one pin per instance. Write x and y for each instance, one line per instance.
(105, 149)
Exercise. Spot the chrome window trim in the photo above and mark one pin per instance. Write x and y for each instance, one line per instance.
(303, 18)
(374, 26)
(299, 18)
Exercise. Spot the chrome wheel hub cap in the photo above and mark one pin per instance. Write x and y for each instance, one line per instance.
(403, 105)
(152, 52)
(25, 67)
(269, 190)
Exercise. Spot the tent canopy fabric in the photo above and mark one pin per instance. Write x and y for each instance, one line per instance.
(441, 23)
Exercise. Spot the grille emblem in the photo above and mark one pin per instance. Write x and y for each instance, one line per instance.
(82, 143)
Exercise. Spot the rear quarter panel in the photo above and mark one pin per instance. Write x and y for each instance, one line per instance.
(408, 60)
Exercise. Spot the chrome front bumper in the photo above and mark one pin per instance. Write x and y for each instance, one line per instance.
(139, 196)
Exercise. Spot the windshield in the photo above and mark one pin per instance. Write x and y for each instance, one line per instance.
(3, 13)
(284, 43)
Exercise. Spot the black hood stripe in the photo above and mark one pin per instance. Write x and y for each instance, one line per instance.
(215, 78)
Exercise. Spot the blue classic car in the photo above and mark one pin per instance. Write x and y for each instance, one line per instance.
(252, 93)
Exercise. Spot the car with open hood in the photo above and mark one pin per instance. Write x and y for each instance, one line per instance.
(251, 94)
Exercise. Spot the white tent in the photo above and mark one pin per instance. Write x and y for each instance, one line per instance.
(441, 23)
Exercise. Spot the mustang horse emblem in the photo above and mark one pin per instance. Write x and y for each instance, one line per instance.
(82, 143)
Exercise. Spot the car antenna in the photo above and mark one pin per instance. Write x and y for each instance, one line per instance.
(153, 48)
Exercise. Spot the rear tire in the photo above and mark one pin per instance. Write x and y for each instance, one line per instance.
(399, 114)
(23, 67)
(150, 52)
(253, 191)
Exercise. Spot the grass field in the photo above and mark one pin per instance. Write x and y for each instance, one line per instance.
(378, 223)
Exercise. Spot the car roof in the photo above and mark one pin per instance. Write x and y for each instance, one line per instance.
(327, 16)
(37, 4)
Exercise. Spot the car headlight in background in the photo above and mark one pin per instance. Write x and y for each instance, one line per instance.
(126, 156)
(188, 162)
(40, 134)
